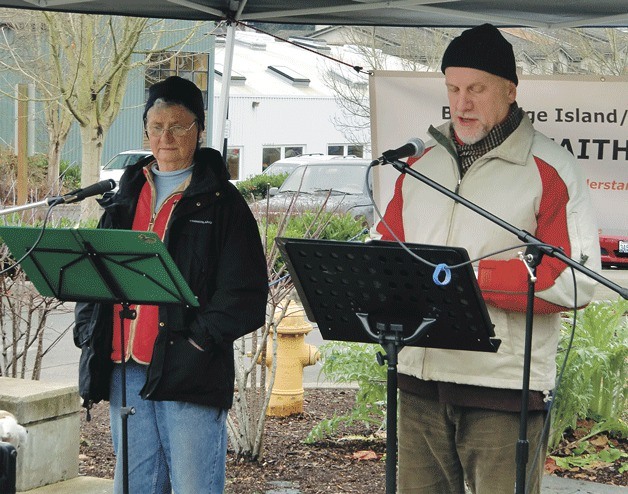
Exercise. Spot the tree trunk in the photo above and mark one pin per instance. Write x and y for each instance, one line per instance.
(92, 138)
(54, 159)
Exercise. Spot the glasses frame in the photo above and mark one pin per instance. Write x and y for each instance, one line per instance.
(170, 129)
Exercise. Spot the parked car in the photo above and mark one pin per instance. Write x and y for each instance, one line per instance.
(116, 165)
(286, 165)
(339, 184)
(614, 249)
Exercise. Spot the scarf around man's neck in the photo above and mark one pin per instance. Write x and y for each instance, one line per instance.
(468, 153)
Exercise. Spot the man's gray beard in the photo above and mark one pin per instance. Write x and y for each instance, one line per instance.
(468, 140)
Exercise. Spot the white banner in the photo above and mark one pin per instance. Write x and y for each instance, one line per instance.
(587, 115)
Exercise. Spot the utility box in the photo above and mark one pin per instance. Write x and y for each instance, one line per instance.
(50, 414)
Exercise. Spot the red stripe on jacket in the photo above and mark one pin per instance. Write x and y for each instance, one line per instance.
(393, 216)
(504, 284)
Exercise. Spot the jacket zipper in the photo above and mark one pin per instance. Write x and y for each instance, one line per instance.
(151, 225)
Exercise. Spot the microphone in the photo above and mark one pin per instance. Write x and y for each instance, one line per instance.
(413, 148)
(80, 194)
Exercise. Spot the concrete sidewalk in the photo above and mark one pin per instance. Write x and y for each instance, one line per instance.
(551, 485)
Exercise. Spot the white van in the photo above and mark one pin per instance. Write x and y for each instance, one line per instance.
(116, 165)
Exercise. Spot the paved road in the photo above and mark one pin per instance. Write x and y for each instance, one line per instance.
(61, 363)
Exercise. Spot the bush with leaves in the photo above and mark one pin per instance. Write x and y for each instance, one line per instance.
(37, 169)
(69, 175)
(351, 363)
(321, 225)
(594, 383)
(256, 187)
(595, 380)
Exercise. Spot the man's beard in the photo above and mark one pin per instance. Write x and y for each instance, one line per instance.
(476, 137)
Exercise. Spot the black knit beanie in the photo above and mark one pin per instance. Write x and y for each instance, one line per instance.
(483, 48)
(179, 91)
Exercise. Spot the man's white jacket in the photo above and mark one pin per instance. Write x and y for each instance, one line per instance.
(535, 185)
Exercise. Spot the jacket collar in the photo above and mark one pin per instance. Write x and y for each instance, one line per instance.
(208, 175)
(515, 149)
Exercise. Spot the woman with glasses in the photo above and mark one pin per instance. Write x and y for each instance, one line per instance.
(179, 360)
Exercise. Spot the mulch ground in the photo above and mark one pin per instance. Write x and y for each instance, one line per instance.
(353, 462)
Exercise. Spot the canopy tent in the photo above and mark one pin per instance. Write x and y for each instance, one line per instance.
(425, 13)
(435, 13)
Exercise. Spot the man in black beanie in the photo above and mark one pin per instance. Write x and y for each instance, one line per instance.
(459, 411)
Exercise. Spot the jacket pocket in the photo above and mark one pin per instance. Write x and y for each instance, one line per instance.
(188, 370)
(192, 258)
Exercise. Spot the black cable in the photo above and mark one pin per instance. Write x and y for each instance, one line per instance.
(425, 261)
(357, 68)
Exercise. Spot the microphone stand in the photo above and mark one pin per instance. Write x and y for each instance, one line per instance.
(534, 254)
(75, 196)
(46, 202)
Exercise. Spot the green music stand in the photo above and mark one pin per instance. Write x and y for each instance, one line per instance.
(93, 265)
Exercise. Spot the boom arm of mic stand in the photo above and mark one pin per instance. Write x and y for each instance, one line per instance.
(23, 207)
(524, 236)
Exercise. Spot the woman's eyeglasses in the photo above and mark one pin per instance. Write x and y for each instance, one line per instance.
(175, 130)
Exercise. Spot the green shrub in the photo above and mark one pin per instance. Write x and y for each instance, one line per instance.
(36, 175)
(256, 187)
(69, 175)
(594, 384)
(350, 363)
(595, 381)
(37, 178)
(324, 226)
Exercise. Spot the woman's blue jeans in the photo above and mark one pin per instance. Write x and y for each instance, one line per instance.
(172, 446)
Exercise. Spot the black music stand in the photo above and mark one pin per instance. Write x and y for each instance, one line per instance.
(92, 265)
(378, 293)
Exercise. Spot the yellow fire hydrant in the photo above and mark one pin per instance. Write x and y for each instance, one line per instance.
(293, 355)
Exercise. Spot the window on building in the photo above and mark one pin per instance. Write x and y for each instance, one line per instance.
(191, 66)
(356, 150)
(233, 162)
(291, 151)
(270, 154)
(290, 75)
(346, 149)
(236, 77)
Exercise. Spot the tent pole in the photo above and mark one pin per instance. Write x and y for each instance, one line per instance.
(219, 135)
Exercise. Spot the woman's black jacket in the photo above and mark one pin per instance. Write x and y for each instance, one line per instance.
(214, 241)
